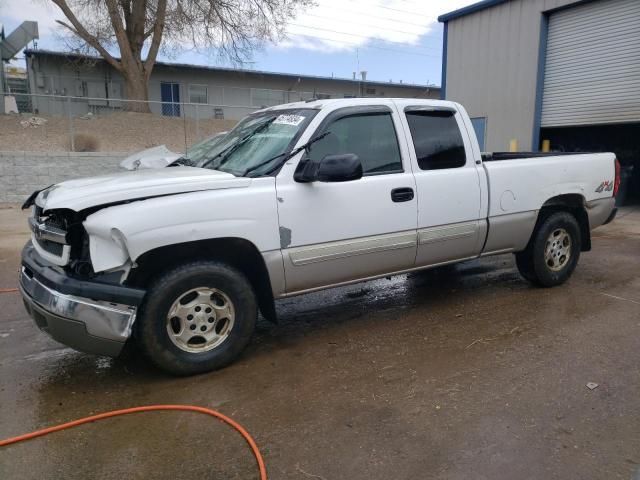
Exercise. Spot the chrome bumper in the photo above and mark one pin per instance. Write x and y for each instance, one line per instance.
(91, 326)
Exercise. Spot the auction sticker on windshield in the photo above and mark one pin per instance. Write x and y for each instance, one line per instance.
(294, 120)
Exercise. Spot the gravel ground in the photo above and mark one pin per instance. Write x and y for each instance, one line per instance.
(118, 132)
(457, 373)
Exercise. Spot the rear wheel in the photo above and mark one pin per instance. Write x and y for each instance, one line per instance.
(197, 317)
(553, 253)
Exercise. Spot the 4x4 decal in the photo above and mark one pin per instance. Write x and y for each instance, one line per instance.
(605, 186)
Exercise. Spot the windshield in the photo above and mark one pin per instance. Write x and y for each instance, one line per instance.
(200, 152)
(256, 139)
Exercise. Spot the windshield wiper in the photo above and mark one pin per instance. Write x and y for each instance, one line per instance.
(285, 156)
(225, 154)
(182, 161)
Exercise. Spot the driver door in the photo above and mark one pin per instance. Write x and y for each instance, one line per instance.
(333, 233)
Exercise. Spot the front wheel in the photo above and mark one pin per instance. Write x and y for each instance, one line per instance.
(197, 317)
(553, 252)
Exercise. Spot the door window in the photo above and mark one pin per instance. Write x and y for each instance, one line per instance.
(437, 139)
(480, 127)
(371, 136)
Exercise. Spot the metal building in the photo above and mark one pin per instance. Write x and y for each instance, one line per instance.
(566, 71)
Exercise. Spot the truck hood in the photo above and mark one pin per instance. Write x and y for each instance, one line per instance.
(124, 186)
(155, 157)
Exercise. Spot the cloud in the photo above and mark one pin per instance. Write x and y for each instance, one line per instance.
(14, 12)
(332, 25)
(335, 25)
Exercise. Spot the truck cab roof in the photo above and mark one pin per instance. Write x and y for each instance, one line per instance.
(350, 102)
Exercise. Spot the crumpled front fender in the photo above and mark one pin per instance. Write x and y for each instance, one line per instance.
(107, 246)
(122, 233)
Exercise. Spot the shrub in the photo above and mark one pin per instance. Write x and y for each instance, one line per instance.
(83, 142)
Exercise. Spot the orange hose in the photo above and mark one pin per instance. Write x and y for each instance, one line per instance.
(149, 408)
(8, 290)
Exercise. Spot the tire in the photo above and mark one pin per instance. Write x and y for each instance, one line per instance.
(553, 252)
(197, 318)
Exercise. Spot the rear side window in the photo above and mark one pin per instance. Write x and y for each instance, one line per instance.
(371, 136)
(437, 139)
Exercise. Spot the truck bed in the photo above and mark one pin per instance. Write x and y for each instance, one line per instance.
(525, 183)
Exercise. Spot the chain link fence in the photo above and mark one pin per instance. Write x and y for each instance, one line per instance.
(39, 122)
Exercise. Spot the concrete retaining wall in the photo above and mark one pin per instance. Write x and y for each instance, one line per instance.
(23, 172)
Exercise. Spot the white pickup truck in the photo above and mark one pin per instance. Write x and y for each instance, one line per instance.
(295, 198)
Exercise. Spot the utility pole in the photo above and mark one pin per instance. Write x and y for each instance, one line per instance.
(358, 70)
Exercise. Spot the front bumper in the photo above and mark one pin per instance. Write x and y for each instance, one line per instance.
(85, 315)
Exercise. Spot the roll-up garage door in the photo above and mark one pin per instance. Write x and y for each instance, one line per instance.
(592, 71)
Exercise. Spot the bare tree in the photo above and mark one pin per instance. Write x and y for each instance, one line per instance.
(140, 28)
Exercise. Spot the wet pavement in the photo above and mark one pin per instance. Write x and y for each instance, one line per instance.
(456, 373)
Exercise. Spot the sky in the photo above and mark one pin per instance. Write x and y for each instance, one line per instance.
(392, 40)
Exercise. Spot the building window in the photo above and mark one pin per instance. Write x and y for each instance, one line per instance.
(437, 139)
(170, 95)
(263, 97)
(198, 94)
(372, 137)
(370, 91)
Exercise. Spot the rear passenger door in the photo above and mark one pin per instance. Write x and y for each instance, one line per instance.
(448, 185)
(338, 232)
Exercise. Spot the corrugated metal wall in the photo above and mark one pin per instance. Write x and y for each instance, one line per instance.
(492, 64)
(592, 73)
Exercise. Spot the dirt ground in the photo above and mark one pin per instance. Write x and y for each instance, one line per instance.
(117, 132)
(456, 373)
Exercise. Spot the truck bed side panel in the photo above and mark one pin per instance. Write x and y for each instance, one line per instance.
(519, 188)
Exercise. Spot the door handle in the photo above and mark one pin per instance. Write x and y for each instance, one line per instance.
(404, 194)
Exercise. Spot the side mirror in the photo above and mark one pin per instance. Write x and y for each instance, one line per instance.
(342, 167)
(339, 168)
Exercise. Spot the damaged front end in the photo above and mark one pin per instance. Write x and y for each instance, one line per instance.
(75, 277)
(87, 310)
(60, 236)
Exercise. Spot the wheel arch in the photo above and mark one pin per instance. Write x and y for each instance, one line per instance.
(573, 203)
(237, 252)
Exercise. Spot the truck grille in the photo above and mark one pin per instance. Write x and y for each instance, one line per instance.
(51, 247)
(49, 238)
